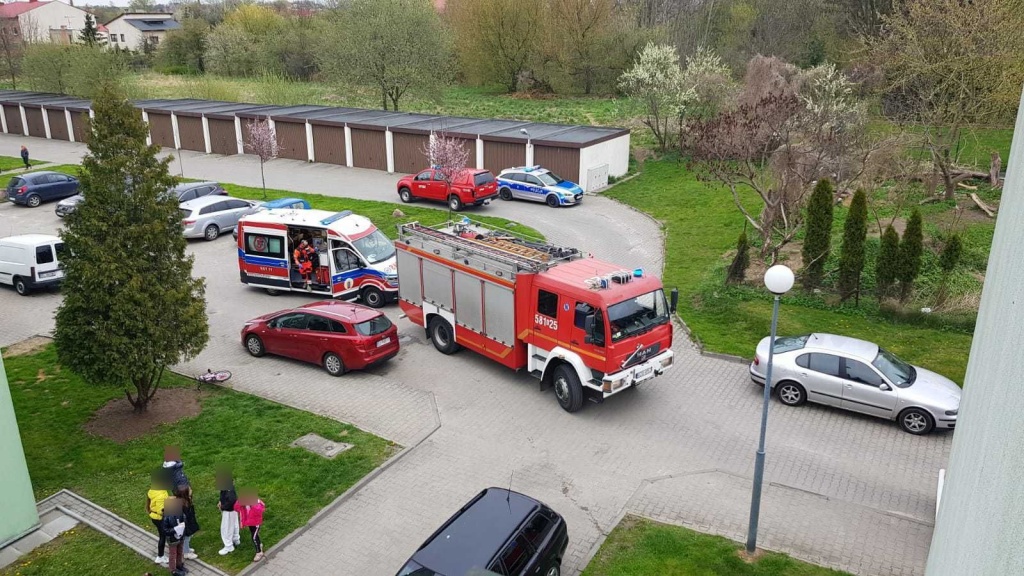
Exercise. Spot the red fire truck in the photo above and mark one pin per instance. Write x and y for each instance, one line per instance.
(580, 325)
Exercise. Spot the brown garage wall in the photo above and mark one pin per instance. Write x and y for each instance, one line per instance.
(329, 144)
(291, 140)
(222, 136)
(36, 128)
(501, 155)
(409, 156)
(562, 161)
(161, 130)
(190, 132)
(58, 124)
(13, 115)
(79, 121)
(369, 149)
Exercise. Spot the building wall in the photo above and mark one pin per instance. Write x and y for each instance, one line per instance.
(127, 36)
(17, 500)
(37, 23)
(980, 523)
(614, 153)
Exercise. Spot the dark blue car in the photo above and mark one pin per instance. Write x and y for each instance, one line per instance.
(34, 188)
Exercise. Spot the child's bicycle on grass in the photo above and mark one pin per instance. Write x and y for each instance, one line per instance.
(212, 377)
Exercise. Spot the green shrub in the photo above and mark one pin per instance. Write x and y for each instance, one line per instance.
(740, 262)
(951, 254)
(851, 258)
(911, 248)
(818, 235)
(888, 264)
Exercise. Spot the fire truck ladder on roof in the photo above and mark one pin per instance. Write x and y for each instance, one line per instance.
(515, 250)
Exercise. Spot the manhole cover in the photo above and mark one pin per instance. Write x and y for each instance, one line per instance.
(319, 445)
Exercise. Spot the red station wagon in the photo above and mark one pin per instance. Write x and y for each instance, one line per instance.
(471, 188)
(339, 336)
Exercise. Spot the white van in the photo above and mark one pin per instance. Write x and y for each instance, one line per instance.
(31, 261)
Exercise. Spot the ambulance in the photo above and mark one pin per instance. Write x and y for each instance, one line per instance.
(353, 258)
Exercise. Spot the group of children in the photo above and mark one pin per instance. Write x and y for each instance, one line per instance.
(170, 507)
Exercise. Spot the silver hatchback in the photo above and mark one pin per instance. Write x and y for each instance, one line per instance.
(208, 216)
(860, 376)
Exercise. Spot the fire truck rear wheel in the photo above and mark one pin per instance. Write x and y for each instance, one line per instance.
(568, 389)
(442, 335)
(373, 297)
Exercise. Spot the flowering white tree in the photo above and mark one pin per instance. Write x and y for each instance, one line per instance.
(655, 84)
(449, 156)
(262, 141)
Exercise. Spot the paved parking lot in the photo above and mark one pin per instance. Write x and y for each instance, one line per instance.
(678, 449)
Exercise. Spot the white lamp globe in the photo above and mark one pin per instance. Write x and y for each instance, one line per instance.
(778, 279)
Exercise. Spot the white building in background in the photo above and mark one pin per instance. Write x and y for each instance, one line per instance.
(42, 21)
(134, 31)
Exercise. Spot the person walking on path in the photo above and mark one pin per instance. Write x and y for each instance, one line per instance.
(228, 516)
(250, 514)
(24, 157)
(155, 499)
(173, 527)
(183, 493)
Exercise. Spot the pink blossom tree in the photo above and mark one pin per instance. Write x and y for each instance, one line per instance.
(262, 141)
(449, 156)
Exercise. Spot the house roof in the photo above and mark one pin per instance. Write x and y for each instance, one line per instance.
(154, 25)
(15, 9)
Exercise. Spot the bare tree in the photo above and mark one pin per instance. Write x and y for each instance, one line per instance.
(449, 156)
(498, 40)
(262, 141)
(584, 28)
(11, 51)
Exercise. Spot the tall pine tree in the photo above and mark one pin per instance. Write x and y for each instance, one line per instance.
(911, 248)
(818, 236)
(888, 265)
(131, 306)
(851, 256)
(89, 34)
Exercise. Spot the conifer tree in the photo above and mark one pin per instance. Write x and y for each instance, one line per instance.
(818, 238)
(851, 256)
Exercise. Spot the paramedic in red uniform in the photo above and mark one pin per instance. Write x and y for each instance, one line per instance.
(304, 254)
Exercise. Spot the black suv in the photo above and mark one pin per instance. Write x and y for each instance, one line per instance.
(499, 532)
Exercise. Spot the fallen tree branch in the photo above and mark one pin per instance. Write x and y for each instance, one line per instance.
(966, 186)
(984, 207)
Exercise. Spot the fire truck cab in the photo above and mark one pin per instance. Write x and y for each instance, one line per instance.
(585, 327)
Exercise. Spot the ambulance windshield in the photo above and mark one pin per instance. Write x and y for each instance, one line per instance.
(375, 247)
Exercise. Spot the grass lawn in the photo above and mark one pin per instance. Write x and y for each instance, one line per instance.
(8, 163)
(702, 224)
(638, 547)
(82, 551)
(246, 432)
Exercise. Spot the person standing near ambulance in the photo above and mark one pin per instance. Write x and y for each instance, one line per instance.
(303, 255)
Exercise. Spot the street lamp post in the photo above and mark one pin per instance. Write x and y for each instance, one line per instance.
(778, 279)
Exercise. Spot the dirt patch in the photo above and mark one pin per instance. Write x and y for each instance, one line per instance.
(27, 347)
(748, 557)
(118, 421)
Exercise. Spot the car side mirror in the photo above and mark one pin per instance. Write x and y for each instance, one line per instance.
(588, 328)
(884, 387)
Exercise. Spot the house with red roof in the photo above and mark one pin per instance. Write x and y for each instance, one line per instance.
(42, 21)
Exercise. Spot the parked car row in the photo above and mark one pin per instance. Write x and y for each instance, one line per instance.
(475, 187)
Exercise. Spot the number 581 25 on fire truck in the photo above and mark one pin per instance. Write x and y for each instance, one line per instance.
(585, 327)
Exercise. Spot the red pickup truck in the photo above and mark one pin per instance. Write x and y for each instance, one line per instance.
(470, 188)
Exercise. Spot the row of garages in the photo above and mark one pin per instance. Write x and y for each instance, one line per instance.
(374, 139)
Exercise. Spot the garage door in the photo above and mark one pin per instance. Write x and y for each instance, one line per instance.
(222, 136)
(291, 140)
(34, 117)
(58, 124)
(161, 130)
(409, 155)
(562, 161)
(329, 144)
(369, 149)
(190, 133)
(13, 115)
(501, 155)
(80, 123)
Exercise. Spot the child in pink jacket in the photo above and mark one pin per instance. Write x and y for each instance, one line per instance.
(250, 514)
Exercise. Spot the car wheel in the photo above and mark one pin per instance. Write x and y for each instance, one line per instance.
(254, 345)
(373, 297)
(33, 200)
(211, 232)
(21, 287)
(442, 335)
(505, 194)
(568, 390)
(454, 203)
(916, 421)
(333, 364)
(791, 393)
(553, 571)
(552, 200)
(405, 194)
(272, 291)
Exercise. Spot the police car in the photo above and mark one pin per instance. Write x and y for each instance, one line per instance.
(539, 185)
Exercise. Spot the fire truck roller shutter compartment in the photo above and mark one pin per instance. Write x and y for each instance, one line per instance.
(499, 315)
(437, 285)
(469, 302)
(409, 288)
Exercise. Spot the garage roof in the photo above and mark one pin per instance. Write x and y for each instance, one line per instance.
(446, 124)
(344, 118)
(323, 112)
(536, 132)
(170, 105)
(581, 136)
(49, 101)
(387, 121)
(208, 107)
(241, 110)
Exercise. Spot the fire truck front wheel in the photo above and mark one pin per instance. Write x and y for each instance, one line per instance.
(442, 335)
(568, 389)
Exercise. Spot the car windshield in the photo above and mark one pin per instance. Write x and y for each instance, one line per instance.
(790, 343)
(897, 371)
(637, 314)
(375, 247)
(374, 326)
(549, 178)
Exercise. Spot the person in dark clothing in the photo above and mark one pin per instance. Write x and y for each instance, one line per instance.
(184, 494)
(228, 517)
(24, 157)
(175, 468)
(172, 526)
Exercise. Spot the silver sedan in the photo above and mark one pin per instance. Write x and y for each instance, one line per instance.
(860, 376)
